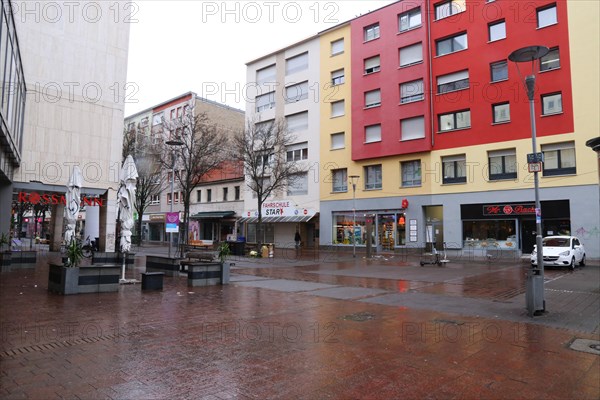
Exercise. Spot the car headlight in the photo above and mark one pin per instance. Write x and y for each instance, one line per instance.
(564, 253)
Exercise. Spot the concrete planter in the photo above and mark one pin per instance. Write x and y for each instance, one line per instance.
(24, 259)
(170, 266)
(88, 279)
(207, 274)
(102, 257)
(5, 261)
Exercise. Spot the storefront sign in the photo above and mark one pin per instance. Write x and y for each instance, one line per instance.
(281, 209)
(172, 220)
(55, 199)
(156, 217)
(509, 209)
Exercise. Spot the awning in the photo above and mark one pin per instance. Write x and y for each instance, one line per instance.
(272, 220)
(213, 214)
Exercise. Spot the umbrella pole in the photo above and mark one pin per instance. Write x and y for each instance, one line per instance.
(123, 267)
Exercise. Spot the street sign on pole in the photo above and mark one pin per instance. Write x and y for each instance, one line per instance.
(535, 158)
(534, 167)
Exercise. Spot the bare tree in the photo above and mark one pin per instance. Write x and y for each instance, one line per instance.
(202, 149)
(262, 149)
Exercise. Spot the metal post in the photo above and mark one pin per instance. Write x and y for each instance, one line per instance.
(172, 196)
(354, 179)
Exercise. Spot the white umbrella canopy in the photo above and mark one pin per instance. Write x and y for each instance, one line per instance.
(73, 197)
(126, 198)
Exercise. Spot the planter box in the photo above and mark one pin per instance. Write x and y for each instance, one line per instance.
(170, 266)
(88, 279)
(5, 261)
(24, 259)
(152, 280)
(207, 273)
(102, 257)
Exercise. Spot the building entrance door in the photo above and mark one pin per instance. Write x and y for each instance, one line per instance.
(528, 232)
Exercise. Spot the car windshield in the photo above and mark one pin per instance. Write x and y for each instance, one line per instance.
(556, 242)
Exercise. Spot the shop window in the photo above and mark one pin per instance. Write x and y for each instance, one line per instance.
(268, 233)
(559, 159)
(502, 164)
(490, 234)
(347, 231)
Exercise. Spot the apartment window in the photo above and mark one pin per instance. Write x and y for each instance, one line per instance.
(451, 82)
(372, 64)
(559, 159)
(373, 98)
(154, 199)
(497, 30)
(373, 179)
(298, 184)
(410, 55)
(409, 19)
(337, 47)
(265, 101)
(176, 198)
(546, 16)
(412, 128)
(198, 196)
(551, 60)
(297, 122)
(296, 64)
(371, 32)
(337, 108)
(499, 71)
(225, 193)
(157, 119)
(267, 74)
(337, 141)
(373, 133)
(448, 8)
(411, 91)
(451, 44)
(168, 198)
(411, 173)
(502, 164)
(236, 190)
(552, 104)
(501, 112)
(454, 169)
(339, 180)
(144, 122)
(455, 120)
(208, 195)
(173, 113)
(297, 92)
(297, 152)
(337, 77)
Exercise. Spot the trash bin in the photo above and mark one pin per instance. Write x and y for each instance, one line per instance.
(237, 248)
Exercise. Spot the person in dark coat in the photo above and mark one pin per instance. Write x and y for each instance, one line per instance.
(297, 239)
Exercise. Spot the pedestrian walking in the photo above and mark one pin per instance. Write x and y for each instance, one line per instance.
(297, 239)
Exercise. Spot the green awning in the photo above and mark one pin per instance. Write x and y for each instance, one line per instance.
(213, 215)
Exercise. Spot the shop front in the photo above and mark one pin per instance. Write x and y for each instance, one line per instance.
(386, 229)
(212, 225)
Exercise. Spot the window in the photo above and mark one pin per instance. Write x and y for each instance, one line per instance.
(337, 47)
(497, 30)
(198, 196)
(552, 104)
(265, 101)
(373, 133)
(297, 122)
(455, 120)
(144, 122)
(410, 55)
(454, 169)
(546, 16)
(173, 113)
(337, 77)
(412, 128)
(296, 64)
(266, 74)
(373, 177)
(371, 32)
(225, 193)
(339, 180)
(451, 44)
(451, 82)
(373, 98)
(501, 112)
(372, 64)
(208, 195)
(502, 164)
(298, 184)
(499, 71)
(559, 159)
(337, 108)
(411, 91)
(154, 199)
(297, 152)
(411, 173)
(409, 19)
(448, 8)
(296, 92)
(337, 141)
(157, 119)
(176, 198)
(236, 192)
(130, 126)
(168, 198)
(551, 60)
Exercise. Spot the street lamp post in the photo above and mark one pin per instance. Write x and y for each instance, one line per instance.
(172, 144)
(353, 180)
(535, 277)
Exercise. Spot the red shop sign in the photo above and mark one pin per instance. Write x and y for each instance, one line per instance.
(509, 209)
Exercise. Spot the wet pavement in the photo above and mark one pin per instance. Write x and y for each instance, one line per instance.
(313, 326)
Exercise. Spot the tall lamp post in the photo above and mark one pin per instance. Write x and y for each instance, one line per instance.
(535, 277)
(354, 179)
(172, 143)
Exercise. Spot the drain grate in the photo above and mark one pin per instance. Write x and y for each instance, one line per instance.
(359, 317)
(586, 345)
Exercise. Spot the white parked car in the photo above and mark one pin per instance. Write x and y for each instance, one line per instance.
(561, 251)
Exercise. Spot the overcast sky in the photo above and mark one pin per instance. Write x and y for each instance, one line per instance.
(203, 46)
